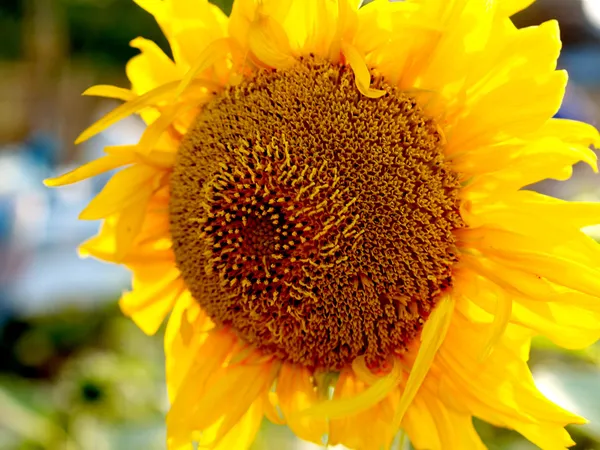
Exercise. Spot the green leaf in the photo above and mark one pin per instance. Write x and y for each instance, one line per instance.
(225, 5)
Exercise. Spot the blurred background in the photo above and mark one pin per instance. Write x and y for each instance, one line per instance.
(75, 374)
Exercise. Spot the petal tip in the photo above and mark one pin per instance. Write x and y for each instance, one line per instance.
(81, 138)
(86, 215)
(51, 182)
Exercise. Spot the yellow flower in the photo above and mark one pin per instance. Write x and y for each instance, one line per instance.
(329, 201)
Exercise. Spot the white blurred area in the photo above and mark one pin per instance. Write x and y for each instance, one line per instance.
(591, 9)
(40, 268)
(573, 390)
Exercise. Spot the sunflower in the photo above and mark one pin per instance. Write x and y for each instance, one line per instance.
(330, 202)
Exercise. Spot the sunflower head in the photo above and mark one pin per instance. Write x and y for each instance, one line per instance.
(330, 202)
(284, 228)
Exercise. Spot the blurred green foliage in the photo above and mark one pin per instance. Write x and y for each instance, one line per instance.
(79, 380)
(97, 30)
(11, 20)
(225, 5)
(101, 29)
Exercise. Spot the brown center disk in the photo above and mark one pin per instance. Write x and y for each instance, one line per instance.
(315, 222)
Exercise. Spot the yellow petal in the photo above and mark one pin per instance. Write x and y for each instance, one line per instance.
(175, 323)
(310, 26)
(520, 159)
(568, 318)
(432, 337)
(247, 12)
(296, 392)
(110, 92)
(547, 158)
(188, 337)
(158, 8)
(272, 408)
(345, 28)
(233, 419)
(189, 25)
(91, 169)
(517, 205)
(571, 131)
(433, 425)
(513, 53)
(548, 438)
(213, 52)
(155, 290)
(150, 98)
(151, 137)
(567, 325)
(129, 224)
(199, 406)
(188, 388)
(502, 316)
(466, 30)
(160, 159)
(370, 429)
(189, 37)
(420, 426)
(342, 407)
(243, 433)
(152, 246)
(124, 188)
(392, 36)
(520, 252)
(501, 389)
(269, 43)
(151, 68)
(513, 109)
(362, 76)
